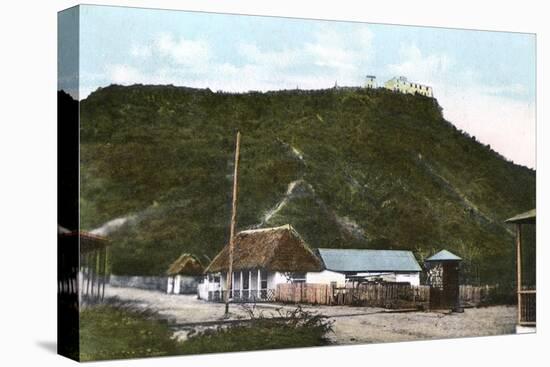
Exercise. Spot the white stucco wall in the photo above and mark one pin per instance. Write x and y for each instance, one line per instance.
(274, 278)
(413, 278)
(182, 284)
(326, 277)
(207, 286)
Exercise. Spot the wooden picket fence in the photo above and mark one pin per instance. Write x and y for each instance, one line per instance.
(315, 294)
(475, 295)
(386, 295)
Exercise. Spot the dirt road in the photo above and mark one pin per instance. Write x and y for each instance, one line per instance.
(351, 324)
(385, 327)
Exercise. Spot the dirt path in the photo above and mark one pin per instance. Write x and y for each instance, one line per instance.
(351, 324)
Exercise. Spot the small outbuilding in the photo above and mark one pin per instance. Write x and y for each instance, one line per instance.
(184, 275)
(443, 279)
(262, 258)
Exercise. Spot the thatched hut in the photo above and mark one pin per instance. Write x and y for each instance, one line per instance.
(184, 275)
(262, 258)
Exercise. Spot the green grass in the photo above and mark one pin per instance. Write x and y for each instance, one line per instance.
(112, 332)
(116, 332)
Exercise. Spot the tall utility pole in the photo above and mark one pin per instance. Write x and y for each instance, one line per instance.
(229, 287)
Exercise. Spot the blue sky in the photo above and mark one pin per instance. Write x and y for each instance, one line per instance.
(485, 81)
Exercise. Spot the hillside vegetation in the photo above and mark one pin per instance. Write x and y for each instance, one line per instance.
(348, 168)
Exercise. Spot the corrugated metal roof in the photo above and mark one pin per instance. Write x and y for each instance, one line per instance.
(357, 260)
(527, 217)
(444, 255)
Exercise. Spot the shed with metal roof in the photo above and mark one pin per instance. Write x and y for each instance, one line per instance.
(366, 265)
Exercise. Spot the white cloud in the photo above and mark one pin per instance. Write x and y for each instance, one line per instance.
(422, 68)
(331, 55)
(344, 52)
(124, 74)
(275, 59)
(182, 51)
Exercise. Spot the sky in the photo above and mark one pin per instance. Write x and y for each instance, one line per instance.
(484, 81)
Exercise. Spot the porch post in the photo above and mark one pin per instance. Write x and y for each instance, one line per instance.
(241, 284)
(518, 256)
(105, 276)
(259, 282)
(232, 285)
(249, 284)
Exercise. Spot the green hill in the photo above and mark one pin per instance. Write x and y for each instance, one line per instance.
(348, 168)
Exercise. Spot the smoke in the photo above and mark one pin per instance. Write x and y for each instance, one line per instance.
(113, 225)
(154, 209)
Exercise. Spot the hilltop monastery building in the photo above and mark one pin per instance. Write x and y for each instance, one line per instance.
(400, 84)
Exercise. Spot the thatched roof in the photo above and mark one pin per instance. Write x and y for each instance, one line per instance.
(186, 264)
(274, 249)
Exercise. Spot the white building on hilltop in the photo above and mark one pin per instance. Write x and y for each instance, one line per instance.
(370, 82)
(402, 85)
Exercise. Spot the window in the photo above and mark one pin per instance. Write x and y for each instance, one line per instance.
(298, 277)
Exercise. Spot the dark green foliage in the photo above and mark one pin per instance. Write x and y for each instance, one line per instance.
(501, 295)
(378, 170)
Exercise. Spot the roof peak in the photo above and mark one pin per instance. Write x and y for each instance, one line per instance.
(360, 249)
(444, 255)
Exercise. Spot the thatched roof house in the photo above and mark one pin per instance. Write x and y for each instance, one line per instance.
(183, 275)
(279, 249)
(186, 264)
